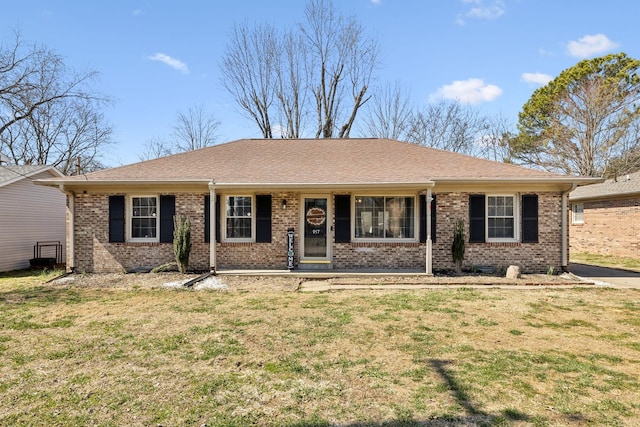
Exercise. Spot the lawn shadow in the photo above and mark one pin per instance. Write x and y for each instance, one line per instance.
(40, 295)
(474, 415)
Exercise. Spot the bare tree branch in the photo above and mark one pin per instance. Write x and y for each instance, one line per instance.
(195, 128)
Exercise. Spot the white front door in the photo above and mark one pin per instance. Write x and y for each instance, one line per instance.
(316, 236)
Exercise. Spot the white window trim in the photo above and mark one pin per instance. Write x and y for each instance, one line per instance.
(516, 219)
(416, 220)
(574, 214)
(223, 219)
(130, 219)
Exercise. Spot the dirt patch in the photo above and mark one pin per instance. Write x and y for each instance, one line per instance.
(295, 281)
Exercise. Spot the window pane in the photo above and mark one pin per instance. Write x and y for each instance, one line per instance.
(144, 221)
(143, 228)
(384, 217)
(238, 222)
(239, 228)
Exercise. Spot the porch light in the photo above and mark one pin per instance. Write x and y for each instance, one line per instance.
(284, 204)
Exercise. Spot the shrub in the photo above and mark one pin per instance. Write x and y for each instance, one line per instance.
(457, 247)
(182, 241)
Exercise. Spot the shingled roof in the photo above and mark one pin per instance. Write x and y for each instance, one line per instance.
(317, 161)
(13, 173)
(626, 185)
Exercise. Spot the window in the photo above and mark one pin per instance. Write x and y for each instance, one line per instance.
(239, 218)
(381, 217)
(144, 218)
(577, 213)
(501, 217)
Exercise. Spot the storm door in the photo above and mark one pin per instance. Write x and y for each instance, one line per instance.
(315, 219)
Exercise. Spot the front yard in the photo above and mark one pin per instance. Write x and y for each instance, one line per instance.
(148, 355)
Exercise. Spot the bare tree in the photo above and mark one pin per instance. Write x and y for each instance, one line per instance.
(325, 66)
(154, 148)
(449, 126)
(195, 128)
(291, 83)
(48, 112)
(341, 60)
(389, 114)
(248, 72)
(494, 143)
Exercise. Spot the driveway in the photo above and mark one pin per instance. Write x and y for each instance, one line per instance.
(607, 276)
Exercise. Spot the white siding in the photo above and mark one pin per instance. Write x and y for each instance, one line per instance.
(29, 213)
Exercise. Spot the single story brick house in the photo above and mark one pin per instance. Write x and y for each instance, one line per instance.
(343, 204)
(605, 217)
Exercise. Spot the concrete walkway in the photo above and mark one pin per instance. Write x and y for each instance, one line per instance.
(607, 276)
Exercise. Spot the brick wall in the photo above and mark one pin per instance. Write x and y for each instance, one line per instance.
(611, 227)
(94, 253)
(531, 257)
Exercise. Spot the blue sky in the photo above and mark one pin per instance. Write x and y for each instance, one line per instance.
(156, 58)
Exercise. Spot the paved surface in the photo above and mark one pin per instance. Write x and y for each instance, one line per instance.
(607, 276)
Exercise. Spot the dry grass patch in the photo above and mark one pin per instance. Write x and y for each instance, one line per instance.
(77, 353)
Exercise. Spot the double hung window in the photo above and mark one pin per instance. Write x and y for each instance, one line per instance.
(144, 218)
(239, 218)
(501, 217)
(577, 213)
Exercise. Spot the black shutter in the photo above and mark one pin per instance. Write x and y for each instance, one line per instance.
(530, 218)
(343, 218)
(217, 218)
(263, 218)
(433, 218)
(207, 218)
(116, 218)
(476, 218)
(423, 218)
(167, 212)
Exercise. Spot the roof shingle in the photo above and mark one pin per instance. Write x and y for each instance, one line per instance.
(317, 161)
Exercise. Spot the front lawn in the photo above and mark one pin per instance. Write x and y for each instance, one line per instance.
(606, 261)
(154, 356)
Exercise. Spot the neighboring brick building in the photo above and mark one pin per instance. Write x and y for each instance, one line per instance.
(605, 217)
(374, 204)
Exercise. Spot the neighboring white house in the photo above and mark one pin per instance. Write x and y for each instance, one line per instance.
(29, 214)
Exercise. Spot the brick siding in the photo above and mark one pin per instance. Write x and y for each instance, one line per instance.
(531, 257)
(94, 253)
(611, 227)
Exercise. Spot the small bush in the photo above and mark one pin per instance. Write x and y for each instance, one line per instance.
(182, 241)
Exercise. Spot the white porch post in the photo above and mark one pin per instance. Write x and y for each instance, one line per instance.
(71, 238)
(429, 263)
(212, 227)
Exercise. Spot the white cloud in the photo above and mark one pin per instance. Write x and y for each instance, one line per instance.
(471, 91)
(537, 78)
(376, 1)
(176, 64)
(481, 9)
(590, 45)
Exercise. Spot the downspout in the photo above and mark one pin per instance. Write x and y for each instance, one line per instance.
(71, 247)
(429, 254)
(212, 227)
(564, 230)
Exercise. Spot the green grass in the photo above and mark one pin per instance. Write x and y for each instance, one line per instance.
(606, 261)
(93, 356)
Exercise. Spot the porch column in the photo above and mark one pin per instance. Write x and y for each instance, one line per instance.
(71, 247)
(429, 264)
(212, 227)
